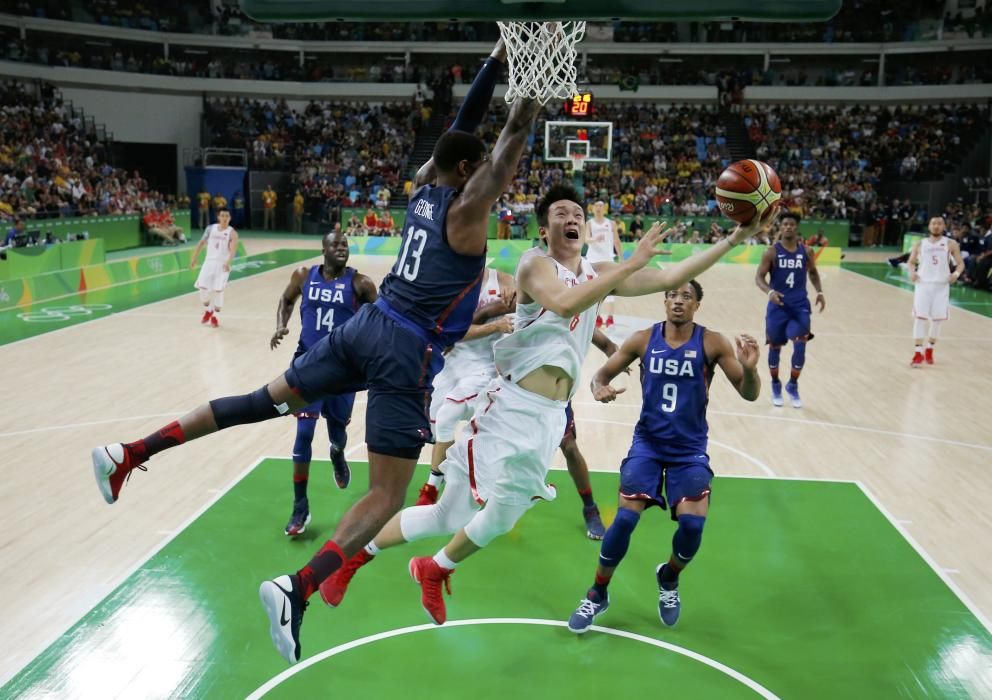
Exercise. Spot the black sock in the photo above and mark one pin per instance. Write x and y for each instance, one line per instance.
(299, 489)
(669, 575)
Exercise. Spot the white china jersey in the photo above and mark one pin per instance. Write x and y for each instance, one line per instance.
(542, 337)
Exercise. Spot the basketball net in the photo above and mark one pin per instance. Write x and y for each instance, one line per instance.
(578, 162)
(542, 59)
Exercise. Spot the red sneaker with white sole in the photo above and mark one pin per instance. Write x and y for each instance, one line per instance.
(206, 316)
(112, 466)
(928, 356)
(213, 321)
(333, 588)
(917, 360)
(429, 574)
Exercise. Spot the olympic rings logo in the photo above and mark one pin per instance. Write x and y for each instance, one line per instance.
(54, 314)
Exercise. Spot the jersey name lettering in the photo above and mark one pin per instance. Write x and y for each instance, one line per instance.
(672, 367)
(424, 209)
(790, 262)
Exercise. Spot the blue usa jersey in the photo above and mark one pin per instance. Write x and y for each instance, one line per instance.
(788, 275)
(431, 285)
(326, 304)
(675, 386)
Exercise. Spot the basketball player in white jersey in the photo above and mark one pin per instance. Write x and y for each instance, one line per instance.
(604, 246)
(468, 369)
(503, 461)
(221, 241)
(929, 268)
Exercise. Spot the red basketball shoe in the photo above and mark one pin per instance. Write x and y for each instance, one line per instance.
(609, 322)
(928, 356)
(430, 576)
(917, 360)
(334, 587)
(213, 321)
(428, 495)
(112, 466)
(206, 316)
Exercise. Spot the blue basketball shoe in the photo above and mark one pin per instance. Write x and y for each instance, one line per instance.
(342, 472)
(777, 393)
(669, 605)
(588, 609)
(792, 389)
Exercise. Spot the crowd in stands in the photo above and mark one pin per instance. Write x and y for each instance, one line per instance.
(858, 20)
(52, 166)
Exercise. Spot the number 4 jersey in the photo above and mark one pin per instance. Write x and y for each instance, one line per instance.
(430, 284)
(788, 274)
(675, 385)
(326, 303)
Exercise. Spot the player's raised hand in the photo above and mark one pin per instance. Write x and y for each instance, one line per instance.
(647, 247)
(758, 224)
(748, 350)
(277, 337)
(605, 393)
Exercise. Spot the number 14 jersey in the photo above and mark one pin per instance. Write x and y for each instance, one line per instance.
(326, 303)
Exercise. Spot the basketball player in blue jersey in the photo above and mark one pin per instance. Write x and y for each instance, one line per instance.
(787, 317)
(393, 347)
(667, 459)
(331, 293)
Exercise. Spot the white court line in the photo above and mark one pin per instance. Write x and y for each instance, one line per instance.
(825, 424)
(326, 654)
(968, 603)
(757, 462)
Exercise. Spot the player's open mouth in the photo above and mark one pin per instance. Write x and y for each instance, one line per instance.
(572, 234)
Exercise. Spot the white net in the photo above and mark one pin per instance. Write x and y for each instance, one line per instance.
(542, 58)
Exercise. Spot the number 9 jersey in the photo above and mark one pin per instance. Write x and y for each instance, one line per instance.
(675, 384)
(439, 296)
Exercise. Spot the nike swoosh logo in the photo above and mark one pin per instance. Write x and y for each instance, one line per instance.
(655, 352)
(283, 620)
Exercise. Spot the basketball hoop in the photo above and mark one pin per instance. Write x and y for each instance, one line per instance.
(578, 161)
(542, 59)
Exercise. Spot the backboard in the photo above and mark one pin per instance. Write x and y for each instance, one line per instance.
(593, 140)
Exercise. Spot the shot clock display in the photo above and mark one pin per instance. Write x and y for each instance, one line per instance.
(580, 105)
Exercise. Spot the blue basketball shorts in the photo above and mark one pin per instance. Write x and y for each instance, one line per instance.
(570, 430)
(393, 362)
(785, 323)
(646, 475)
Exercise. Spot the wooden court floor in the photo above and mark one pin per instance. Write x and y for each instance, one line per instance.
(917, 439)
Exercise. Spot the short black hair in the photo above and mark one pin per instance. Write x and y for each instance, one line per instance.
(455, 146)
(790, 215)
(556, 194)
(697, 288)
(223, 209)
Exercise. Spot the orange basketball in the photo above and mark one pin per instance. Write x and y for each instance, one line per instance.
(747, 188)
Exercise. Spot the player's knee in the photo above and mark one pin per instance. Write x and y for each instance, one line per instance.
(617, 538)
(494, 520)
(774, 353)
(798, 354)
(247, 408)
(688, 537)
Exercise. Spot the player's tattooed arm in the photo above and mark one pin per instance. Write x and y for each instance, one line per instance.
(632, 349)
(739, 361)
(284, 310)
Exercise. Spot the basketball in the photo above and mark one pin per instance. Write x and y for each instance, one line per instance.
(747, 188)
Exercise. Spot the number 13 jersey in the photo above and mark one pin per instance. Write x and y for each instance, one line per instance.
(430, 284)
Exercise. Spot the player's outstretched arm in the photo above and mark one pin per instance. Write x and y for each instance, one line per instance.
(673, 277)
(632, 349)
(537, 278)
(468, 217)
(739, 361)
(284, 309)
(473, 108)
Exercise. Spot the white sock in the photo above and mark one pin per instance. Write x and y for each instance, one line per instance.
(929, 346)
(442, 560)
(435, 480)
(210, 309)
(371, 549)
